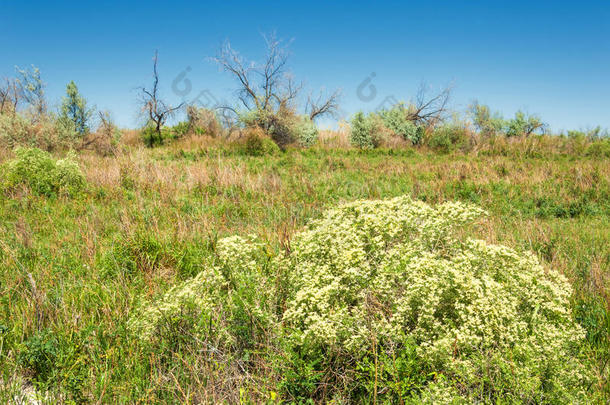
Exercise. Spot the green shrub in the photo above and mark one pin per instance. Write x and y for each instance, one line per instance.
(523, 124)
(306, 132)
(37, 170)
(397, 120)
(14, 130)
(365, 131)
(377, 277)
(233, 297)
(385, 300)
(284, 127)
(448, 138)
(53, 358)
(487, 123)
(181, 129)
(68, 176)
(47, 132)
(152, 138)
(39, 355)
(599, 148)
(258, 144)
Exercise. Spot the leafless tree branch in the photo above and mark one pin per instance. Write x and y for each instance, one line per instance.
(155, 108)
(323, 105)
(430, 110)
(268, 86)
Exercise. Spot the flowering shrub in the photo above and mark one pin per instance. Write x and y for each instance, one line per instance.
(389, 294)
(387, 273)
(231, 298)
(41, 173)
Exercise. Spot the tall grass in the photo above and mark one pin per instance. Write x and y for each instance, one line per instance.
(72, 270)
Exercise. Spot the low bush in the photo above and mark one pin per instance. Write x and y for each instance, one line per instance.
(152, 138)
(181, 129)
(386, 301)
(53, 358)
(233, 298)
(365, 131)
(47, 132)
(448, 138)
(524, 124)
(257, 143)
(397, 120)
(306, 132)
(486, 122)
(203, 121)
(599, 148)
(37, 170)
(284, 128)
(378, 277)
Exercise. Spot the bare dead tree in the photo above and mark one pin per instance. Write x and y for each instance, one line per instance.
(429, 110)
(323, 105)
(156, 110)
(9, 96)
(268, 87)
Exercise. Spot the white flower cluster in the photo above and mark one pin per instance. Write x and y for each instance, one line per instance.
(392, 270)
(217, 293)
(396, 273)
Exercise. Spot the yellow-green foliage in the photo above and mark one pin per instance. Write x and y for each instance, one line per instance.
(257, 143)
(231, 298)
(46, 132)
(390, 277)
(395, 271)
(44, 175)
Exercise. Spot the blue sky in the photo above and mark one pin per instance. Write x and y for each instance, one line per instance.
(547, 57)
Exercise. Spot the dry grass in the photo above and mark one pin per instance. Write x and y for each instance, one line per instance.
(184, 195)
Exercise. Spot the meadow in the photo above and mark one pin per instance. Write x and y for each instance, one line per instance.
(413, 254)
(75, 268)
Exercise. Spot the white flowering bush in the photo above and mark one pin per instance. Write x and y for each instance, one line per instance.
(392, 273)
(231, 298)
(388, 297)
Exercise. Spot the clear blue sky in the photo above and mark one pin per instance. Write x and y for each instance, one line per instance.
(546, 57)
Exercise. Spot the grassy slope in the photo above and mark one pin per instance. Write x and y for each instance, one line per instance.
(62, 262)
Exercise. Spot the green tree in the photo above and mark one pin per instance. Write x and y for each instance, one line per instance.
(74, 109)
(31, 88)
(486, 122)
(524, 124)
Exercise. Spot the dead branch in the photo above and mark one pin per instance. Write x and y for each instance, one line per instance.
(430, 110)
(323, 105)
(153, 106)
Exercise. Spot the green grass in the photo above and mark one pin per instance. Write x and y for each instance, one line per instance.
(73, 269)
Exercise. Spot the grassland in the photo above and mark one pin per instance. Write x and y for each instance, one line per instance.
(73, 269)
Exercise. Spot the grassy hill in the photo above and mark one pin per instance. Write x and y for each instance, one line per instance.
(73, 268)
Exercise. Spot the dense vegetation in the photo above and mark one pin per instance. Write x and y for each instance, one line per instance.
(406, 257)
(78, 267)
